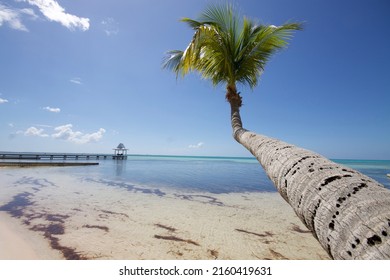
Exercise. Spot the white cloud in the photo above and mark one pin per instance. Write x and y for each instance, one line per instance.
(65, 132)
(54, 12)
(197, 146)
(92, 137)
(13, 17)
(30, 13)
(76, 81)
(110, 26)
(33, 131)
(3, 100)
(53, 110)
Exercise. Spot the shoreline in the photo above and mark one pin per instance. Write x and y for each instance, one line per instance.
(56, 215)
(18, 243)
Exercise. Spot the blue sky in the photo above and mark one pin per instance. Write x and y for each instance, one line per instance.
(83, 76)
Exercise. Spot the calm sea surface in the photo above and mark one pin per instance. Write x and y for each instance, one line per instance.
(211, 174)
(162, 207)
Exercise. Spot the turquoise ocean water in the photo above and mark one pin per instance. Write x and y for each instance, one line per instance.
(91, 211)
(211, 174)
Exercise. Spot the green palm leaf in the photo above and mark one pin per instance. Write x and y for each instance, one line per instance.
(228, 49)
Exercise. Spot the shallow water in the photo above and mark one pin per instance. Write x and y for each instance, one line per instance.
(211, 174)
(376, 169)
(215, 175)
(153, 207)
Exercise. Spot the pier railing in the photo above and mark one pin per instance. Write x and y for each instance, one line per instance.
(58, 156)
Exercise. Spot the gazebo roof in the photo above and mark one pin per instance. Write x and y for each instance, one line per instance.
(121, 147)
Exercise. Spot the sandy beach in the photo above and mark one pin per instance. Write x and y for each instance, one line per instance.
(104, 219)
(18, 243)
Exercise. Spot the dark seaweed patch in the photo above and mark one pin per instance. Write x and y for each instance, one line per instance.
(209, 199)
(17, 205)
(213, 253)
(129, 187)
(56, 217)
(106, 229)
(35, 182)
(16, 208)
(114, 213)
(298, 229)
(277, 255)
(58, 229)
(168, 228)
(265, 234)
(174, 238)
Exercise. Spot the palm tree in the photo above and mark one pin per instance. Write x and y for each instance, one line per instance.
(348, 212)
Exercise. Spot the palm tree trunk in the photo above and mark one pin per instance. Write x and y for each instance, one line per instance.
(348, 212)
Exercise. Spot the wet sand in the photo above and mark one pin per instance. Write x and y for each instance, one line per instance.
(56, 216)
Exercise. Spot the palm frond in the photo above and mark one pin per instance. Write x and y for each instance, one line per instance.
(218, 16)
(261, 44)
(172, 60)
(192, 23)
(228, 48)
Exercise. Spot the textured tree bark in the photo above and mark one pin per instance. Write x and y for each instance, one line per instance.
(348, 212)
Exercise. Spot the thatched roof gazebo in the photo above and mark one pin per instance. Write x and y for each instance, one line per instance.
(120, 152)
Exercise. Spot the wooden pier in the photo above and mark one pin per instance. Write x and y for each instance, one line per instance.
(43, 163)
(58, 156)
